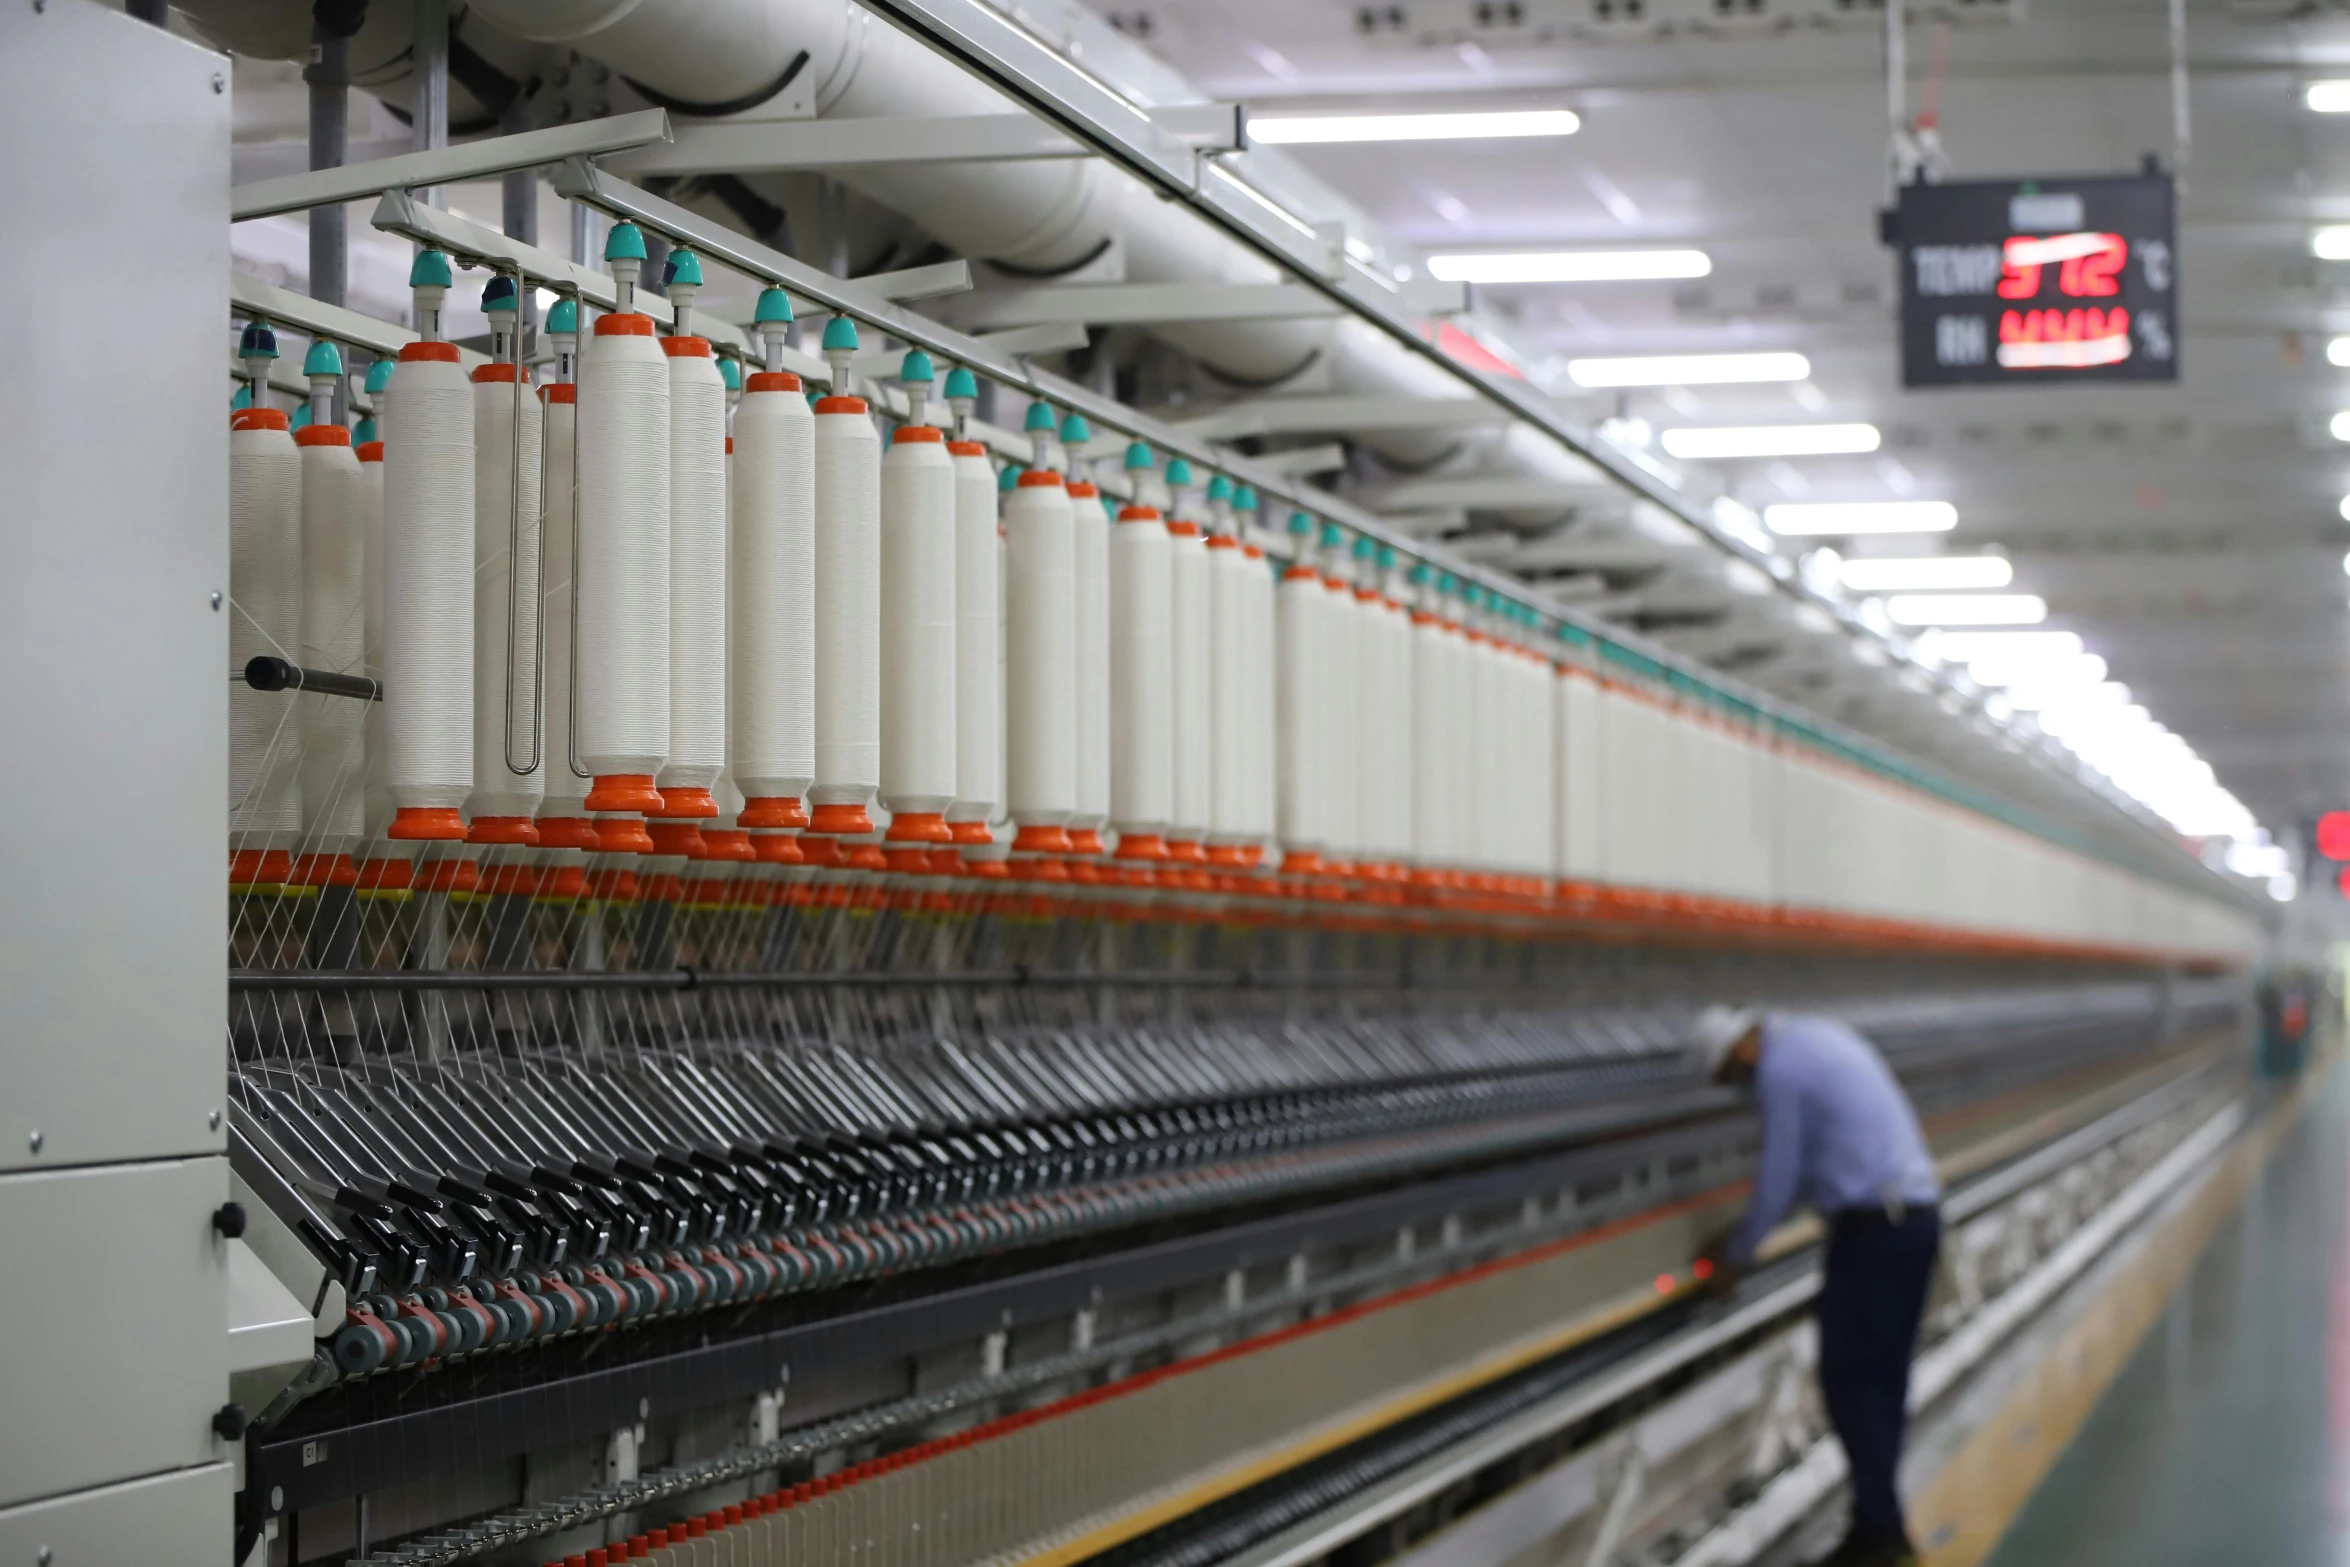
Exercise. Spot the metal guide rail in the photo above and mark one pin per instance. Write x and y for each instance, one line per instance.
(901, 1247)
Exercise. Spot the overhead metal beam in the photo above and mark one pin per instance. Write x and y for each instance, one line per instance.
(930, 282)
(1325, 412)
(1485, 492)
(776, 146)
(1160, 304)
(447, 165)
(1304, 459)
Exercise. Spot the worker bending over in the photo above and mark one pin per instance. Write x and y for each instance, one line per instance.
(1839, 1135)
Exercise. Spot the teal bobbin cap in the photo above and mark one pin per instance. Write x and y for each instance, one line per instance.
(563, 318)
(626, 242)
(257, 341)
(774, 308)
(431, 270)
(1332, 534)
(1301, 525)
(1040, 420)
(917, 369)
(498, 294)
(840, 333)
(1139, 458)
(684, 267)
(730, 370)
(1244, 498)
(1074, 430)
(1178, 472)
(962, 383)
(1009, 480)
(379, 376)
(1219, 488)
(323, 359)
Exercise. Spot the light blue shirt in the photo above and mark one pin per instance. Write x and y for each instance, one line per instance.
(1837, 1131)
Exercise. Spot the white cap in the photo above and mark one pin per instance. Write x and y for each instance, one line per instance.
(1717, 1029)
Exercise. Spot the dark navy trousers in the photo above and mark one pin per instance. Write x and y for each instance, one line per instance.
(1869, 1306)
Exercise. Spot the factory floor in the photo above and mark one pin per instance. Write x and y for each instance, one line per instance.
(2224, 1436)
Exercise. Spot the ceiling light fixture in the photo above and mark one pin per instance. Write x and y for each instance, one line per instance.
(1568, 266)
(1829, 518)
(2338, 351)
(2327, 97)
(2341, 425)
(1772, 440)
(1689, 370)
(1473, 125)
(1927, 573)
(2005, 647)
(1967, 609)
(2331, 244)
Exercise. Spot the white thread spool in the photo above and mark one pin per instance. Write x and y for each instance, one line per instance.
(848, 617)
(509, 741)
(1338, 708)
(1192, 809)
(1431, 768)
(566, 780)
(979, 718)
(918, 592)
(265, 594)
(697, 580)
(1092, 534)
(1299, 683)
(1142, 682)
(1040, 661)
(1232, 682)
(428, 592)
(334, 630)
(1578, 773)
(375, 794)
(1263, 722)
(620, 565)
(771, 619)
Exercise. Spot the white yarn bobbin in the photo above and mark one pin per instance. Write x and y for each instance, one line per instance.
(848, 617)
(375, 792)
(620, 566)
(428, 593)
(979, 708)
(1191, 807)
(697, 580)
(509, 732)
(1299, 684)
(1040, 661)
(563, 815)
(1142, 683)
(1092, 535)
(1263, 722)
(771, 613)
(265, 620)
(918, 652)
(1431, 767)
(334, 631)
(1232, 682)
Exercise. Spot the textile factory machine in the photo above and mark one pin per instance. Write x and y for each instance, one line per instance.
(814, 977)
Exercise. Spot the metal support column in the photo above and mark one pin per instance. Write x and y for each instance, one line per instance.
(429, 107)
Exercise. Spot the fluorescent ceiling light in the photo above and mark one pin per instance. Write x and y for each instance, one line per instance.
(1568, 266)
(2338, 351)
(1772, 440)
(1689, 370)
(1967, 609)
(2331, 244)
(2328, 97)
(1973, 647)
(2341, 425)
(1477, 125)
(1926, 573)
(2043, 673)
(1841, 517)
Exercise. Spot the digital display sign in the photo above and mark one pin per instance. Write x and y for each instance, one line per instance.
(2035, 282)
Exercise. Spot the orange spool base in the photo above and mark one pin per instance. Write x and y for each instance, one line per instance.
(567, 832)
(625, 792)
(778, 848)
(920, 827)
(1034, 839)
(623, 835)
(768, 813)
(840, 821)
(503, 829)
(427, 823)
(260, 868)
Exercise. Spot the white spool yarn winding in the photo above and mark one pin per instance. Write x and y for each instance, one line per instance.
(1431, 768)
(979, 714)
(334, 630)
(918, 652)
(1299, 683)
(848, 616)
(1142, 682)
(428, 592)
(620, 564)
(697, 579)
(509, 739)
(771, 616)
(1040, 659)
(565, 779)
(265, 603)
(1092, 532)
(1231, 697)
(1338, 709)
(1263, 724)
(375, 793)
(1191, 810)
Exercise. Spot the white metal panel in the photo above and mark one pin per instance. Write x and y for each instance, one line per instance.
(112, 915)
(179, 1517)
(116, 1303)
